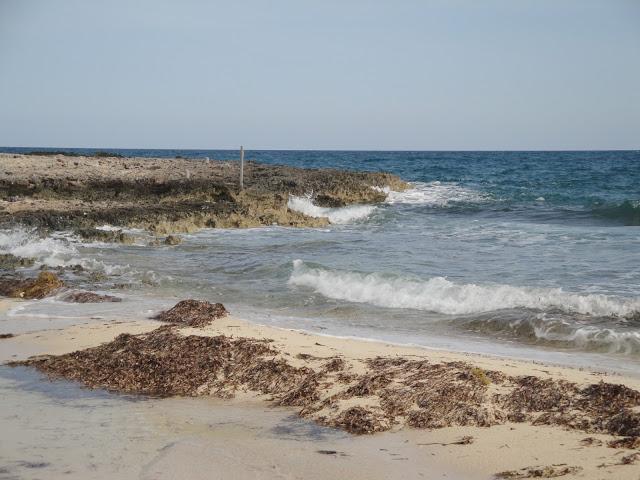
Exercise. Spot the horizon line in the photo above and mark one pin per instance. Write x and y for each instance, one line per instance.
(327, 149)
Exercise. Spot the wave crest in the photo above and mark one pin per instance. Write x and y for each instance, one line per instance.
(435, 194)
(339, 215)
(437, 294)
(627, 212)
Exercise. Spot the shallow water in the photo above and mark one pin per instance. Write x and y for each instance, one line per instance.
(513, 253)
(59, 430)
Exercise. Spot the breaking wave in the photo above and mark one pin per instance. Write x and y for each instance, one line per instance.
(628, 212)
(50, 251)
(435, 194)
(440, 295)
(47, 250)
(339, 215)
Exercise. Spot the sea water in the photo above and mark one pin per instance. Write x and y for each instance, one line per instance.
(528, 254)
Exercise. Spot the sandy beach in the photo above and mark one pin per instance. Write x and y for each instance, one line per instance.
(400, 452)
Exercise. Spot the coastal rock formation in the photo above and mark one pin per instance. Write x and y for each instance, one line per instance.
(358, 396)
(172, 240)
(44, 285)
(192, 313)
(11, 262)
(169, 195)
(107, 236)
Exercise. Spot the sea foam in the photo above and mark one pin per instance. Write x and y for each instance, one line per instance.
(340, 215)
(438, 294)
(434, 194)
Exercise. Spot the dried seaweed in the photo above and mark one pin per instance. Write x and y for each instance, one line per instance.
(551, 471)
(360, 420)
(32, 288)
(626, 442)
(392, 391)
(193, 313)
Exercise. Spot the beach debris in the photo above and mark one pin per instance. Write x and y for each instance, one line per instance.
(11, 262)
(192, 313)
(33, 288)
(626, 442)
(172, 240)
(327, 452)
(465, 440)
(591, 442)
(6, 335)
(89, 297)
(360, 420)
(551, 471)
(630, 459)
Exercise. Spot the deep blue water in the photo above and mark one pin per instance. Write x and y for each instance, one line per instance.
(534, 254)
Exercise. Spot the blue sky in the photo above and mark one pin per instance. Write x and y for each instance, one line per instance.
(350, 74)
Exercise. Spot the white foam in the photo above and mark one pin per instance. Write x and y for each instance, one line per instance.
(24, 243)
(53, 251)
(340, 215)
(435, 194)
(440, 295)
(590, 337)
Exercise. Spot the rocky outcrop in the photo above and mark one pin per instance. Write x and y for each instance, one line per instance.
(44, 285)
(170, 195)
(107, 236)
(11, 262)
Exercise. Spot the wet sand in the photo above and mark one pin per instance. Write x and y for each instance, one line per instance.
(248, 437)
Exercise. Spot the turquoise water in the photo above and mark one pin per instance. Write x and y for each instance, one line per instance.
(533, 254)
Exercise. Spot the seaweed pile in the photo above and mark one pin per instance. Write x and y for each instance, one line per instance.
(44, 285)
(378, 395)
(192, 313)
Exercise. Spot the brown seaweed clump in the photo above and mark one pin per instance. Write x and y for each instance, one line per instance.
(33, 288)
(165, 363)
(193, 313)
(626, 442)
(550, 471)
(89, 297)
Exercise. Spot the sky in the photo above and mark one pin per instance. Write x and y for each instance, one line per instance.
(330, 74)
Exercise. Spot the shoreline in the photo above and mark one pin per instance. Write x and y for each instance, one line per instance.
(530, 445)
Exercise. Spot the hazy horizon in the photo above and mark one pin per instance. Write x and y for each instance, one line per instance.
(533, 75)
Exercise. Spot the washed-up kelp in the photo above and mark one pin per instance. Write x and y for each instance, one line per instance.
(44, 285)
(193, 313)
(390, 391)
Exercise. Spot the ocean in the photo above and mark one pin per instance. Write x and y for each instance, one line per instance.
(526, 254)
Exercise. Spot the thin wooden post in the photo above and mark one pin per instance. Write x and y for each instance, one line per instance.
(241, 168)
